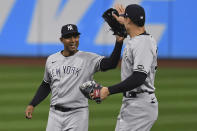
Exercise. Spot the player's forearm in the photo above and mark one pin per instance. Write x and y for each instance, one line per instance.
(112, 61)
(130, 83)
(42, 92)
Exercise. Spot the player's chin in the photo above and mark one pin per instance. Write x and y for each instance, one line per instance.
(72, 50)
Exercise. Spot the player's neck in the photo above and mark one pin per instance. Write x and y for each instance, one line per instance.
(67, 53)
(135, 31)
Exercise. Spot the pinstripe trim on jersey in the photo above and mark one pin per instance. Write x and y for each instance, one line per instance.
(140, 71)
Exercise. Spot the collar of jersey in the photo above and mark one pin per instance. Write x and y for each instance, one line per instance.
(144, 33)
(69, 56)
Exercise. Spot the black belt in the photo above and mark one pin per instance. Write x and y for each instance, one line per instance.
(64, 109)
(133, 94)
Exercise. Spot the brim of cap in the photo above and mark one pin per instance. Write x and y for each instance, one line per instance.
(71, 33)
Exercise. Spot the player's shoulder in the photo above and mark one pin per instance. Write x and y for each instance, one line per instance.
(87, 54)
(144, 40)
(54, 56)
(143, 37)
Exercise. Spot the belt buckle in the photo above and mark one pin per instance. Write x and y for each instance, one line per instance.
(131, 94)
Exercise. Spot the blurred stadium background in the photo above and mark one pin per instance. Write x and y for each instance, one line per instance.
(30, 31)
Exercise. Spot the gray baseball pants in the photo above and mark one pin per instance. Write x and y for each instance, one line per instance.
(75, 120)
(138, 114)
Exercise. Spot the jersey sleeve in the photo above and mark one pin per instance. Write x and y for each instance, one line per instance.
(94, 62)
(46, 72)
(143, 57)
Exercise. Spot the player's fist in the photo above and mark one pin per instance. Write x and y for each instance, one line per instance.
(104, 93)
(28, 112)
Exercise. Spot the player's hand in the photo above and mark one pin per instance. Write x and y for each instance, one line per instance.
(28, 112)
(104, 93)
(121, 10)
(119, 39)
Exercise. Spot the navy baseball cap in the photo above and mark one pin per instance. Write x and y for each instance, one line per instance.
(69, 29)
(136, 13)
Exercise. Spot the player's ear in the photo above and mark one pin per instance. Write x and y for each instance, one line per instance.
(61, 39)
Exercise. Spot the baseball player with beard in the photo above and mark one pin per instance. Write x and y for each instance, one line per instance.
(139, 108)
(64, 72)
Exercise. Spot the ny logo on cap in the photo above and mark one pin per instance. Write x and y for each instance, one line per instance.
(70, 27)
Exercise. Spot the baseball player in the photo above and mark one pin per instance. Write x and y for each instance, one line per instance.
(139, 108)
(64, 72)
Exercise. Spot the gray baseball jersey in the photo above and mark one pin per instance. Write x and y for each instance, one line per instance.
(139, 113)
(140, 54)
(66, 74)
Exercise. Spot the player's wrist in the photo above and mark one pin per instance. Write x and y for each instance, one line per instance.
(112, 90)
(104, 93)
(107, 91)
(31, 105)
(119, 39)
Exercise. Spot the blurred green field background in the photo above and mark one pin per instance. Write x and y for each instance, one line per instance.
(176, 92)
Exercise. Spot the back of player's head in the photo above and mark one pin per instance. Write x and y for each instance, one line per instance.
(136, 13)
(69, 29)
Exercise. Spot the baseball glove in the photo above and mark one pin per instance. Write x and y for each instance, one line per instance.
(91, 87)
(116, 27)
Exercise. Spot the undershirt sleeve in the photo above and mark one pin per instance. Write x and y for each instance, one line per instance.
(112, 61)
(42, 92)
(132, 82)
